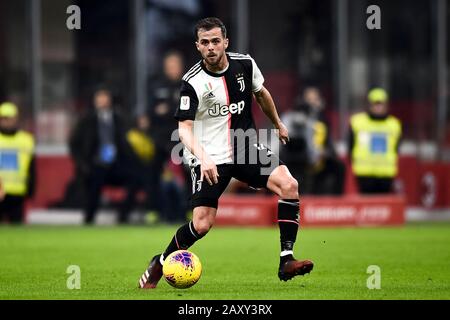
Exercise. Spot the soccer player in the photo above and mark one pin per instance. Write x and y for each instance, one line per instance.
(215, 100)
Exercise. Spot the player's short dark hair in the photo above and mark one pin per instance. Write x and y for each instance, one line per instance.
(210, 23)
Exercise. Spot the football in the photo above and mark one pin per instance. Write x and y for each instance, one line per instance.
(182, 269)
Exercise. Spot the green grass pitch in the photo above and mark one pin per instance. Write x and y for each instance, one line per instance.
(238, 263)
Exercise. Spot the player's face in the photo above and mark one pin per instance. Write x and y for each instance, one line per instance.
(212, 45)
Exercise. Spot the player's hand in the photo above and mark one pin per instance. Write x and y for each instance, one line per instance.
(208, 170)
(282, 133)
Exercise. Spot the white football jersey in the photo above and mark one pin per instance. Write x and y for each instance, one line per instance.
(219, 103)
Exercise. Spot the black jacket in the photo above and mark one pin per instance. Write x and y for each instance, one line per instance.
(162, 125)
(84, 141)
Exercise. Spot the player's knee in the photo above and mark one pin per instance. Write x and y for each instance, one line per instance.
(203, 226)
(203, 223)
(289, 189)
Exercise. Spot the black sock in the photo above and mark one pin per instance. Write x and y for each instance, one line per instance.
(288, 221)
(185, 237)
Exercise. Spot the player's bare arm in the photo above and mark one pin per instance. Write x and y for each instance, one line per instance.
(208, 167)
(265, 101)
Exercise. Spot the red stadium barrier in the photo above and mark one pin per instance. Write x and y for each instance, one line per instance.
(315, 211)
(53, 173)
(246, 210)
(424, 185)
(353, 211)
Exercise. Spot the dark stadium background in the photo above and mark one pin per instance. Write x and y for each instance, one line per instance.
(50, 71)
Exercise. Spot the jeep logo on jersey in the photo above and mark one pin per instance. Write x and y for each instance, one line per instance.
(218, 110)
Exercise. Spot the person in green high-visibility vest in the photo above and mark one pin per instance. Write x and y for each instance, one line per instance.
(17, 165)
(373, 145)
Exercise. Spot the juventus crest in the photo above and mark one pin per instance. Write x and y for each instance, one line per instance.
(240, 80)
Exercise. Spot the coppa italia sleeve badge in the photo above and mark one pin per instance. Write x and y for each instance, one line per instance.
(185, 103)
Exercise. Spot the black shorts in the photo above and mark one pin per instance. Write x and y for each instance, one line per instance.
(255, 174)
